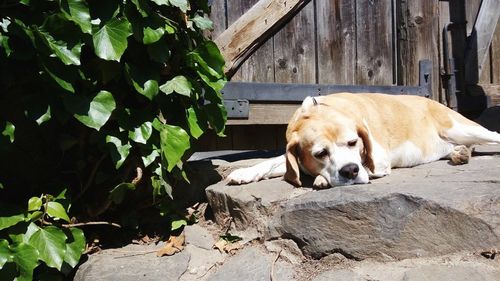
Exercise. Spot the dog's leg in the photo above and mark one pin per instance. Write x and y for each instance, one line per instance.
(271, 168)
(470, 134)
(460, 155)
(320, 182)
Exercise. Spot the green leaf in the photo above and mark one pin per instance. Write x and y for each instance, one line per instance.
(9, 131)
(26, 259)
(110, 42)
(217, 117)
(44, 117)
(196, 122)
(56, 210)
(203, 22)
(176, 224)
(5, 253)
(142, 133)
(34, 204)
(6, 222)
(174, 142)
(122, 150)
(78, 12)
(4, 43)
(61, 76)
(147, 160)
(152, 35)
(93, 114)
(75, 245)
(118, 192)
(144, 80)
(181, 4)
(179, 84)
(51, 245)
(60, 48)
(161, 2)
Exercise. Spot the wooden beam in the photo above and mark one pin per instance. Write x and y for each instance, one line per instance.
(253, 28)
(267, 114)
(480, 39)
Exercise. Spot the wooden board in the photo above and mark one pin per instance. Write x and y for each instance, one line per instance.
(246, 33)
(495, 56)
(294, 49)
(418, 30)
(218, 17)
(480, 40)
(267, 114)
(258, 67)
(336, 41)
(374, 42)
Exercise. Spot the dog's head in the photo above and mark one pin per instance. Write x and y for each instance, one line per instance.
(327, 142)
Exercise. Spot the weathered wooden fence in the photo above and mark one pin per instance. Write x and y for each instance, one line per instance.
(358, 42)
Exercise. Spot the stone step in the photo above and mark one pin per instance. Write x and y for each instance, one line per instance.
(428, 210)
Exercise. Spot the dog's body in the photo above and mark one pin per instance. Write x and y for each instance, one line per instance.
(347, 138)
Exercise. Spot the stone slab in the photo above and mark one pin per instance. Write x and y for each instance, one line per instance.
(130, 264)
(428, 210)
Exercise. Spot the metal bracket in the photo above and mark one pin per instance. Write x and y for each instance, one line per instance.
(238, 95)
(237, 108)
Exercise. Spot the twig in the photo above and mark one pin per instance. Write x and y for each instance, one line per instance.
(91, 178)
(272, 265)
(68, 225)
(92, 223)
(208, 270)
(138, 178)
(137, 254)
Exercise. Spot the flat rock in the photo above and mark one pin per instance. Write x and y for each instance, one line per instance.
(428, 210)
(451, 267)
(199, 236)
(131, 264)
(252, 264)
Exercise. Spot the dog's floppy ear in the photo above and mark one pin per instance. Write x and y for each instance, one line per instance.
(366, 154)
(292, 174)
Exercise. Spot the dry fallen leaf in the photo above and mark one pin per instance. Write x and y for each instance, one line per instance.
(174, 244)
(224, 246)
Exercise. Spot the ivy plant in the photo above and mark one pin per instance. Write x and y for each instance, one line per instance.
(90, 93)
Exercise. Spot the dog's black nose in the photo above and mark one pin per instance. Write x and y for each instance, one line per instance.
(349, 171)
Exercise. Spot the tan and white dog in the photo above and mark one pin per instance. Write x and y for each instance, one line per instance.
(344, 139)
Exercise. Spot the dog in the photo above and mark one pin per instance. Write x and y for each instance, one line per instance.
(345, 138)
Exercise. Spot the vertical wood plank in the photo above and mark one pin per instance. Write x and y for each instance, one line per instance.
(259, 66)
(374, 42)
(336, 37)
(418, 30)
(444, 18)
(495, 56)
(294, 49)
(218, 17)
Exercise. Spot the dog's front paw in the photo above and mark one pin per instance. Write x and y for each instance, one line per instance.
(243, 175)
(320, 182)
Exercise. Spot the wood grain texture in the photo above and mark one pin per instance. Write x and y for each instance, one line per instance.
(418, 30)
(336, 41)
(267, 114)
(294, 49)
(258, 67)
(480, 40)
(218, 17)
(374, 42)
(246, 33)
(495, 56)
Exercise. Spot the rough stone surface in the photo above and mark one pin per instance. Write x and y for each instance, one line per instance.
(201, 262)
(251, 264)
(460, 266)
(199, 237)
(131, 264)
(432, 209)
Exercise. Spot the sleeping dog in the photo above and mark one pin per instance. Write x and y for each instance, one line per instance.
(344, 139)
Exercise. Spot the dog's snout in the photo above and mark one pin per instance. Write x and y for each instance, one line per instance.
(349, 171)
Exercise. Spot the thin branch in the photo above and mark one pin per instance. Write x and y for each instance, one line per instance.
(68, 225)
(272, 265)
(91, 178)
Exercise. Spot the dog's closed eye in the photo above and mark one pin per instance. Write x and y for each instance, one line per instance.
(321, 153)
(352, 143)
